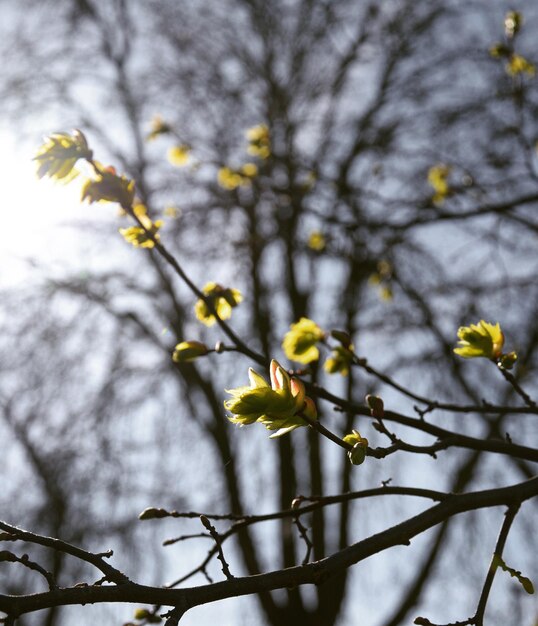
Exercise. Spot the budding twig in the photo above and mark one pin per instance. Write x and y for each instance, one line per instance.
(517, 388)
(220, 556)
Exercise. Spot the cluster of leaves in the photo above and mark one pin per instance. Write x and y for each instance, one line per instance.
(259, 141)
(58, 155)
(145, 235)
(484, 340)
(232, 178)
(218, 300)
(280, 406)
(259, 145)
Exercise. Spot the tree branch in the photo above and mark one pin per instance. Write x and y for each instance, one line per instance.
(312, 573)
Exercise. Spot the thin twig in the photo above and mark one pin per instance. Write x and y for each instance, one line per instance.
(517, 388)
(478, 618)
(499, 446)
(422, 621)
(169, 542)
(6, 555)
(315, 424)
(317, 502)
(312, 573)
(207, 576)
(112, 574)
(432, 405)
(172, 261)
(510, 515)
(220, 556)
(304, 536)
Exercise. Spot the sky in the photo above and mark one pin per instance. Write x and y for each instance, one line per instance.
(37, 216)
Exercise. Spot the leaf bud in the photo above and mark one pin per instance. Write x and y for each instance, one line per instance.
(357, 454)
(507, 361)
(188, 351)
(376, 405)
(153, 513)
(342, 337)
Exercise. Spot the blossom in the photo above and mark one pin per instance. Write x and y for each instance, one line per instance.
(300, 341)
(56, 158)
(109, 187)
(480, 340)
(277, 406)
(223, 300)
(188, 351)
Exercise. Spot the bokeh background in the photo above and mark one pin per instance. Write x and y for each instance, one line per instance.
(398, 202)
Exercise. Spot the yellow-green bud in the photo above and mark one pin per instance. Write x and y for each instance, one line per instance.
(507, 361)
(188, 351)
(309, 408)
(499, 50)
(357, 454)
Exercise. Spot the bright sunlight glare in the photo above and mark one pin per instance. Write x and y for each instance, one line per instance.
(35, 215)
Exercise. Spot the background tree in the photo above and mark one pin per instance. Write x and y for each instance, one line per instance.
(393, 199)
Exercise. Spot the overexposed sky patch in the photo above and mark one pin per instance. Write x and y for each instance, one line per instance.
(35, 215)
